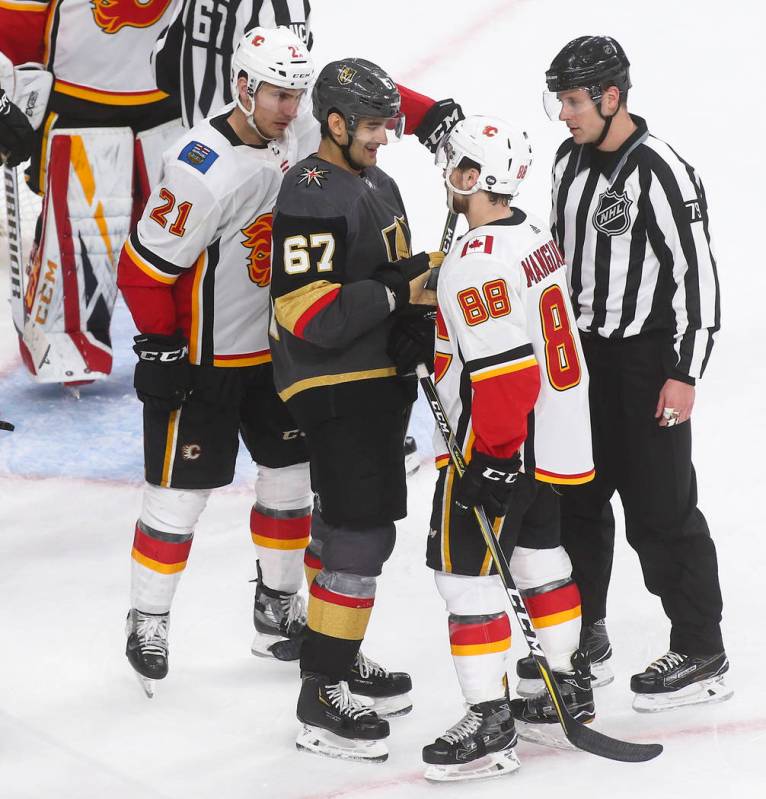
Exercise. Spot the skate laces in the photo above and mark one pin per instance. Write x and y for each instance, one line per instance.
(465, 727)
(152, 631)
(294, 610)
(342, 698)
(367, 666)
(667, 662)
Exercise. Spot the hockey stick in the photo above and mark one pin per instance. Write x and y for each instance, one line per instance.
(578, 734)
(16, 270)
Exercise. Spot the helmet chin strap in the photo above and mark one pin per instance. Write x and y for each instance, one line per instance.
(607, 124)
(346, 152)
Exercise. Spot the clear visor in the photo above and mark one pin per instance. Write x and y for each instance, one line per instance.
(380, 130)
(278, 100)
(558, 105)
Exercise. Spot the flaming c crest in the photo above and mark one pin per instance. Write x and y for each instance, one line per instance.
(258, 240)
(113, 15)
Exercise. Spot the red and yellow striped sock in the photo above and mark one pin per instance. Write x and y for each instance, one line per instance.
(480, 647)
(556, 616)
(158, 560)
(280, 538)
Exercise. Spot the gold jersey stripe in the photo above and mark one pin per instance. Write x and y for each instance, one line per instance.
(252, 360)
(170, 448)
(147, 268)
(527, 363)
(334, 380)
(106, 97)
(289, 308)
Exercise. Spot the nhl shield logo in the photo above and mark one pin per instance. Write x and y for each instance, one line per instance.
(612, 216)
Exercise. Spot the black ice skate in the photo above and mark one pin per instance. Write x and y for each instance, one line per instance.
(480, 745)
(675, 680)
(279, 619)
(594, 638)
(411, 457)
(536, 717)
(385, 692)
(336, 724)
(147, 647)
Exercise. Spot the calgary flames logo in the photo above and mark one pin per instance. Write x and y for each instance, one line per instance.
(258, 240)
(113, 15)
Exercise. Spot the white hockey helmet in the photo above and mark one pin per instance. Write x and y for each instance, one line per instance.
(271, 55)
(502, 151)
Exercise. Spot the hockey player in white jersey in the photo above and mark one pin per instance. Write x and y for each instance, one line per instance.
(195, 274)
(509, 370)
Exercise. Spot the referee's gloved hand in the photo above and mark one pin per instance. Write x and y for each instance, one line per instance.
(16, 134)
(162, 378)
(398, 276)
(437, 122)
(488, 481)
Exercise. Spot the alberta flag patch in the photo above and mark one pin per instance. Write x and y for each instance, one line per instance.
(478, 244)
(198, 155)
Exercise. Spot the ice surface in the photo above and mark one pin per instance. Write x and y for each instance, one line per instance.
(73, 721)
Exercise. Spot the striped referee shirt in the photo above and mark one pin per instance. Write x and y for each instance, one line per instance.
(192, 57)
(633, 226)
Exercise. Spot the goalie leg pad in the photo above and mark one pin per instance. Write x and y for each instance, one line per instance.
(149, 147)
(161, 545)
(280, 524)
(544, 577)
(72, 286)
(479, 633)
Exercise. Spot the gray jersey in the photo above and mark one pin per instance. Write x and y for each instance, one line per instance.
(330, 321)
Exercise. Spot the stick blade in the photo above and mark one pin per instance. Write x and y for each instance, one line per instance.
(595, 742)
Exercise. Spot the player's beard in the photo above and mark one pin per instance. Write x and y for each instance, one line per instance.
(457, 203)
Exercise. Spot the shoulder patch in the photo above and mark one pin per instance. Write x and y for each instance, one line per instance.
(478, 244)
(198, 155)
(313, 176)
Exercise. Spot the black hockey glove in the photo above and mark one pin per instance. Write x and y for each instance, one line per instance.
(411, 340)
(16, 134)
(162, 378)
(437, 122)
(488, 482)
(396, 275)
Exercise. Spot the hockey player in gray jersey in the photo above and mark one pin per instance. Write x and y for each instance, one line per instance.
(342, 266)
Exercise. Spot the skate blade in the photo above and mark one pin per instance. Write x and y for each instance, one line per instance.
(493, 765)
(602, 675)
(276, 647)
(705, 692)
(387, 707)
(147, 685)
(323, 742)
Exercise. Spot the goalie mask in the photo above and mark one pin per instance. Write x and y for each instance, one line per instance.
(502, 152)
(270, 55)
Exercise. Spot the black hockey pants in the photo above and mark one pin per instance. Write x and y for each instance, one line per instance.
(650, 468)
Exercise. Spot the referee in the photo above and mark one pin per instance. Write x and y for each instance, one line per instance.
(631, 218)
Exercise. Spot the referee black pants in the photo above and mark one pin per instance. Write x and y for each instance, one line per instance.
(650, 468)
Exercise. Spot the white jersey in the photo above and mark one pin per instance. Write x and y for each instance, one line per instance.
(206, 230)
(504, 328)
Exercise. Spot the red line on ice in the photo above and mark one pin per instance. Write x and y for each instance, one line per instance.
(412, 777)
